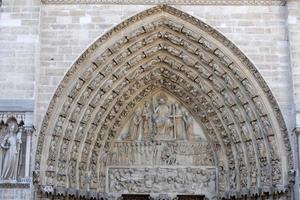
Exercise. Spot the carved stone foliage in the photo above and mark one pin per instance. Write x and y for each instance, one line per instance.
(169, 83)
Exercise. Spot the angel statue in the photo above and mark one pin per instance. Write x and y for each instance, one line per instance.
(10, 148)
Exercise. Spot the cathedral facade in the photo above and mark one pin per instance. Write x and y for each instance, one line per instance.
(162, 100)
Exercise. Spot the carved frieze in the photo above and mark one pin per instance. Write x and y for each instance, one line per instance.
(192, 180)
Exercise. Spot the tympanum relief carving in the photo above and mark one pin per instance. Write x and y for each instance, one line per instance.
(163, 135)
(161, 118)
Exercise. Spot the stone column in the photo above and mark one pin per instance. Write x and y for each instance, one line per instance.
(28, 130)
(297, 158)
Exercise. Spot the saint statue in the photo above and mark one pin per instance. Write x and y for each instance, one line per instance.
(147, 121)
(162, 120)
(135, 126)
(10, 151)
(179, 124)
(189, 128)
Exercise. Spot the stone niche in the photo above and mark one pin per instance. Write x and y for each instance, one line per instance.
(15, 148)
(162, 149)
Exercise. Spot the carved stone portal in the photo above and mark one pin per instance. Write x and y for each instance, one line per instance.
(161, 149)
(163, 90)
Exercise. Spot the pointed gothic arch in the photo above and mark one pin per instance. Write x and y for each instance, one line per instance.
(165, 48)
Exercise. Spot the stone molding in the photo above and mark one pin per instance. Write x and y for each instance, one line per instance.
(51, 191)
(22, 183)
(16, 105)
(172, 2)
(23, 118)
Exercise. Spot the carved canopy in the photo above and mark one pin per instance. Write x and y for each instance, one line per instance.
(163, 48)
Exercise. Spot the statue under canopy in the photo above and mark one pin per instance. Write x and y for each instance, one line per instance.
(10, 151)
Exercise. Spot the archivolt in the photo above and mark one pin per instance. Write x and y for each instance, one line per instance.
(164, 48)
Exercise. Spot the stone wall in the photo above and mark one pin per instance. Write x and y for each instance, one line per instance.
(15, 194)
(19, 41)
(293, 21)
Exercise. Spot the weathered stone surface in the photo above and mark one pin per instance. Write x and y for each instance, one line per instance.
(40, 43)
(15, 194)
(189, 60)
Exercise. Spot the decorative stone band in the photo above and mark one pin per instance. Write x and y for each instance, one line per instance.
(24, 183)
(19, 116)
(162, 180)
(172, 2)
(51, 191)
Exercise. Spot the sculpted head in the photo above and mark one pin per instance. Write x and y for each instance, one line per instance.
(161, 101)
(137, 112)
(12, 125)
(147, 104)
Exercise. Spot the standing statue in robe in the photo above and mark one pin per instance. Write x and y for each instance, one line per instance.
(10, 152)
(179, 125)
(147, 121)
(135, 126)
(188, 120)
(163, 124)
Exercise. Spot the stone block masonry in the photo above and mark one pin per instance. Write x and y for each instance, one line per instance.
(293, 21)
(19, 41)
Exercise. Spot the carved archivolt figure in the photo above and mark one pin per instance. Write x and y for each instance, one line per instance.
(10, 151)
